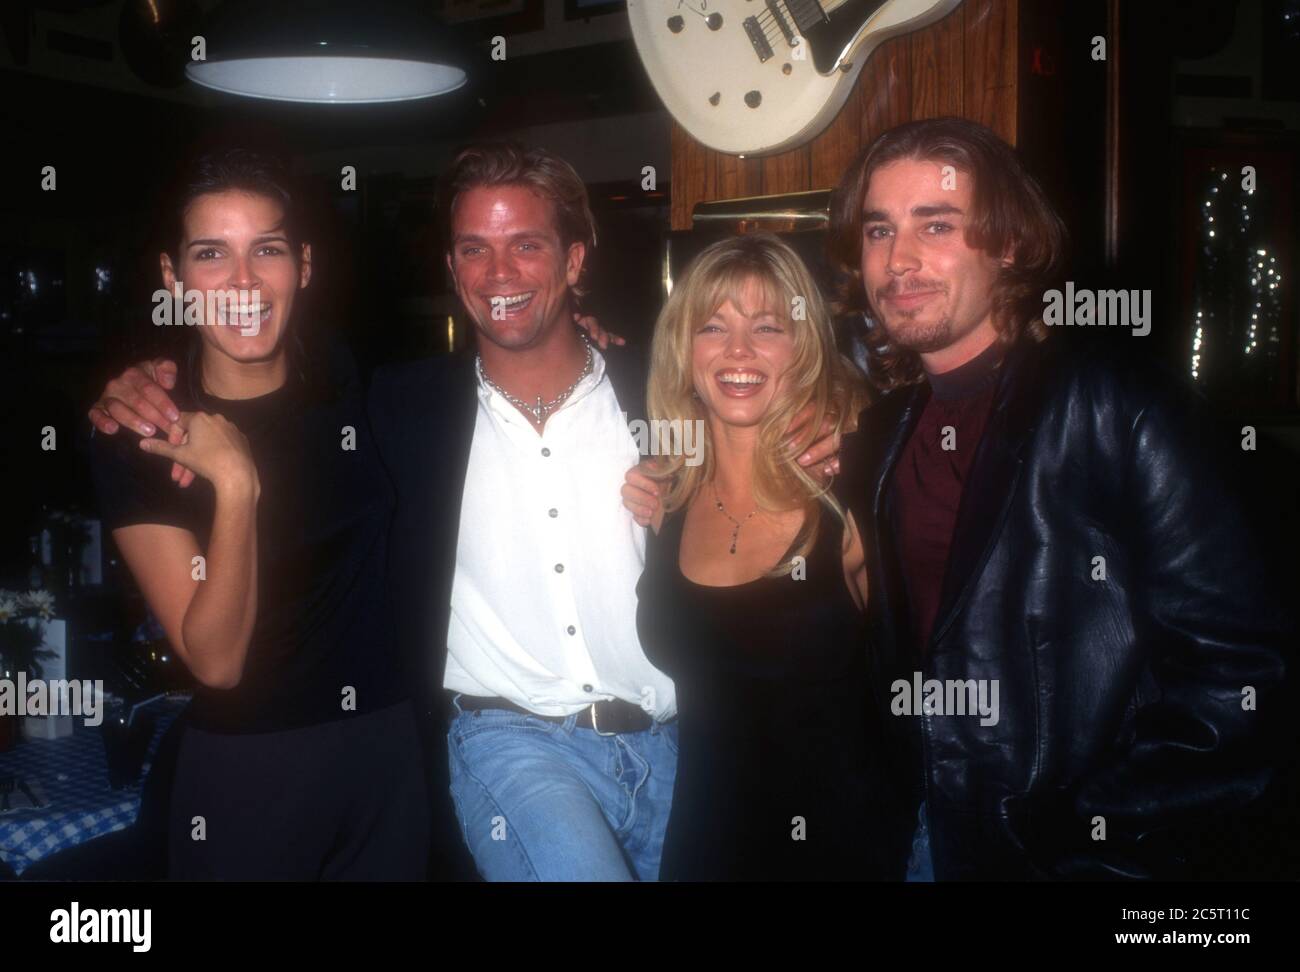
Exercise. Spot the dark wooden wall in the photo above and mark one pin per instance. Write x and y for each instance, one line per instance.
(967, 64)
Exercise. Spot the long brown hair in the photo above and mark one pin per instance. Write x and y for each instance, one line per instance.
(818, 376)
(1009, 211)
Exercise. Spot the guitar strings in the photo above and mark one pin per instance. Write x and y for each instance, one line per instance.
(772, 31)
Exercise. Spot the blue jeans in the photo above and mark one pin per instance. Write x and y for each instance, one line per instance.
(920, 867)
(547, 801)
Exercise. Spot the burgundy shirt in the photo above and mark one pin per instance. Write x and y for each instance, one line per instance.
(929, 479)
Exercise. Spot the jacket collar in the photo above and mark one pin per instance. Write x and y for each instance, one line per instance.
(1017, 403)
(627, 369)
(907, 406)
(994, 472)
(447, 416)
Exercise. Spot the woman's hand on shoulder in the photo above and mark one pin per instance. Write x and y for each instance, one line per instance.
(602, 337)
(641, 496)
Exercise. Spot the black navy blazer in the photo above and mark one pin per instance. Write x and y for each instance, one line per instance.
(422, 414)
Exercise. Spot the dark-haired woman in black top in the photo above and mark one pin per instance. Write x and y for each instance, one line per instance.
(301, 757)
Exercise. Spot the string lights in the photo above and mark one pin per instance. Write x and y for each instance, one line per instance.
(1237, 317)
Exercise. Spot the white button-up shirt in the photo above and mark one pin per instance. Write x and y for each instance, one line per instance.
(543, 602)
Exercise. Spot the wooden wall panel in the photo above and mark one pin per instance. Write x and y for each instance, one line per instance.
(832, 151)
(938, 67)
(739, 177)
(787, 172)
(887, 85)
(693, 176)
(990, 69)
(966, 64)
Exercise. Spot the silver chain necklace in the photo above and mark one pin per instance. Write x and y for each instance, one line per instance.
(542, 409)
(735, 533)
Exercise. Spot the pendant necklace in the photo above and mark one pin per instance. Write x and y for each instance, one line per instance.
(737, 524)
(542, 409)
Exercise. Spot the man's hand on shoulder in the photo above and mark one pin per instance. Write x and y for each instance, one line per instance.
(138, 400)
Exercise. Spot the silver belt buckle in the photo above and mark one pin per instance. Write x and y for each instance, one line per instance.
(596, 727)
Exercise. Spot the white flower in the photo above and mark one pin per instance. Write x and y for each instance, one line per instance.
(42, 602)
(8, 605)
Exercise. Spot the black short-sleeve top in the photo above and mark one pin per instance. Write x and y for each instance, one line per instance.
(323, 646)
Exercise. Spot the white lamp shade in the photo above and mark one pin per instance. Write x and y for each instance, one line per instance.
(328, 80)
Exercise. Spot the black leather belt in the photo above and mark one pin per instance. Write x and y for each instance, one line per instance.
(608, 716)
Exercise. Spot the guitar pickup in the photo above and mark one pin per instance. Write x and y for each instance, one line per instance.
(781, 22)
(756, 37)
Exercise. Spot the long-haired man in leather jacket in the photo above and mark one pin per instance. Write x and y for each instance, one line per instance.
(1077, 647)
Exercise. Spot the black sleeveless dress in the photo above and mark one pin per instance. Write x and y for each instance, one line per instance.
(778, 775)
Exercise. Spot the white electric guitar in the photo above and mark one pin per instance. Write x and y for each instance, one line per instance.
(752, 77)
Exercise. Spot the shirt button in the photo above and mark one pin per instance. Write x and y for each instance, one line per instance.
(571, 629)
(552, 513)
(587, 689)
(559, 568)
(545, 451)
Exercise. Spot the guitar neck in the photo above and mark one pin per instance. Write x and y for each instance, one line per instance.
(810, 14)
(807, 13)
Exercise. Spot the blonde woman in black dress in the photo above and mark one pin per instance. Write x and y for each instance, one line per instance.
(755, 583)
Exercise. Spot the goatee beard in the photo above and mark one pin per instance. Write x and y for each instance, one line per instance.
(923, 339)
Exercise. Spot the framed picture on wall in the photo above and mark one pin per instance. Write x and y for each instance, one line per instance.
(498, 16)
(585, 9)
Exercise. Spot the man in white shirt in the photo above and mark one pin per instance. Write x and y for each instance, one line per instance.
(561, 748)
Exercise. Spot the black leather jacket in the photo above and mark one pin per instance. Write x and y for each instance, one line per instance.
(1121, 699)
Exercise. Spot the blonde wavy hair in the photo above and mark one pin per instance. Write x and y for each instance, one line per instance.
(818, 375)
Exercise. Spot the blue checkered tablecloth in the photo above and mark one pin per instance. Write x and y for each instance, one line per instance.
(73, 771)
